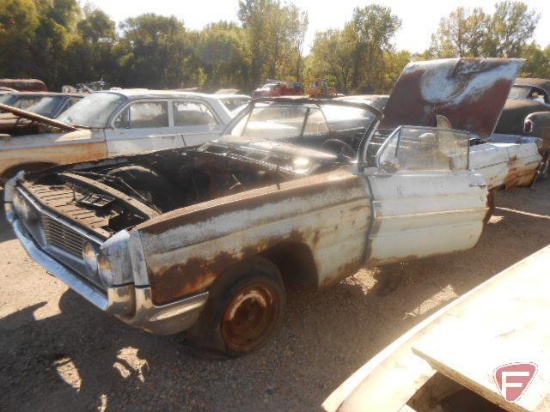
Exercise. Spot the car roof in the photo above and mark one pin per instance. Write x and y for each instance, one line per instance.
(529, 81)
(47, 94)
(134, 94)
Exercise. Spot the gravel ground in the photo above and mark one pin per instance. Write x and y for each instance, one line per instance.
(57, 352)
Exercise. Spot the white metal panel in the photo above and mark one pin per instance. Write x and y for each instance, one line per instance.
(128, 141)
(424, 214)
(499, 163)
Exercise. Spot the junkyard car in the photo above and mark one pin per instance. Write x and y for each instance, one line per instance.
(20, 100)
(451, 361)
(111, 123)
(49, 105)
(206, 239)
(375, 100)
(527, 112)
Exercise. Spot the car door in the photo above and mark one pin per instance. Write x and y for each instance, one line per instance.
(195, 121)
(425, 200)
(142, 126)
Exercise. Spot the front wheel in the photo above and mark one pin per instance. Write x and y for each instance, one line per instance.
(244, 310)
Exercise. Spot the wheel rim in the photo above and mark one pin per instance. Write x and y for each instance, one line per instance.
(249, 317)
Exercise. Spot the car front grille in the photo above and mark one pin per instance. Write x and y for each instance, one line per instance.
(63, 237)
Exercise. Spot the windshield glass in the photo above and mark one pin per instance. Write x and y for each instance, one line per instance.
(93, 110)
(425, 148)
(288, 120)
(8, 99)
(45, 106)
(519, 92)
(233, 103)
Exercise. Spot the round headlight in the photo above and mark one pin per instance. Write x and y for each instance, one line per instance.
(89, 254)
(21, 206)
(105, 270)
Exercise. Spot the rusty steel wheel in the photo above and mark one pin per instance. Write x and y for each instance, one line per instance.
(250, 316)
(244, 310)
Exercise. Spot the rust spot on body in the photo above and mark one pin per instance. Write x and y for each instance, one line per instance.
(249, 200)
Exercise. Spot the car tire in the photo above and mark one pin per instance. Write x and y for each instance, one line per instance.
(244, 310)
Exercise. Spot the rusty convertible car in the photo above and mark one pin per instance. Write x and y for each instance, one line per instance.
(297, 192)
(451, 361)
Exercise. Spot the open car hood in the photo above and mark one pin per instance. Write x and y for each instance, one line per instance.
(469, 92)
(37, 118)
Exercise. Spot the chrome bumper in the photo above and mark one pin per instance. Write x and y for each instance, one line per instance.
(132, 305)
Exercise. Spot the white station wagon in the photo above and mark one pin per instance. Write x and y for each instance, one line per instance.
(116, 122)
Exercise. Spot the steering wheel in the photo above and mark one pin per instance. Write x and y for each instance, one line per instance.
(340, 148)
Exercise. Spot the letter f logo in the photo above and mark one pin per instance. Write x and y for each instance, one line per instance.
(514, 378)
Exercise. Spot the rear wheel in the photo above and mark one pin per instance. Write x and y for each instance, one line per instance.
(244, 310)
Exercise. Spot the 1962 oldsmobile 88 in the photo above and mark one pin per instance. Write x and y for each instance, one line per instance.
(206, 239)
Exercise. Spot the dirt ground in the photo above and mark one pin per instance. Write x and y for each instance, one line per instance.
(57, 352)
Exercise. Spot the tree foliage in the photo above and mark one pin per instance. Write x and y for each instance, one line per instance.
(472, 33)
(357, 56)
(61, 43)
(274, 35)
(463, 33)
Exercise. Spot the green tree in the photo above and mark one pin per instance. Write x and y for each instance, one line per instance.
(467, 33)
(332, 56)
(274, 34)
(220, 51)
(154, 52)
(374, 27)
(55, 32)
(91, 56)
(537, 62)
(463, 33)
(512, 27)
(18, 23)
(361, 56)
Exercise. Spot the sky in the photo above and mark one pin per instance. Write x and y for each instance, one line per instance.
(419, 18)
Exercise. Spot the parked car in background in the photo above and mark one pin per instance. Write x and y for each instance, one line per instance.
(276, 88)
(111, 123)
(454, 360)
(527, 112)
(20, 100)
(298, 191)
(31, 85)
(49, 105)
(375, 100)
(234, 102)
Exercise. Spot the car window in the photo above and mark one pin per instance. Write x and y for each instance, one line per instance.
(272, 122)
(45, 106)
(234, 103)
(193, 114)
(316, 123)
(425, 148)
(143, 115)
(93, 110)
(25, 102)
